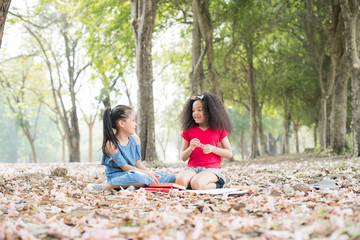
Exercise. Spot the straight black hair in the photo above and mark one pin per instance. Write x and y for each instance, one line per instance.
(110, 119)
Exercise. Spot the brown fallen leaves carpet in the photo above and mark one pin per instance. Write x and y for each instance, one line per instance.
(49, 201)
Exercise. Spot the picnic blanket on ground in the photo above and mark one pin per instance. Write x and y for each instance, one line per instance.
(240, 190)
(229, 191)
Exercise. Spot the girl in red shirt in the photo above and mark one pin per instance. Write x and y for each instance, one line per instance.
(205, 124)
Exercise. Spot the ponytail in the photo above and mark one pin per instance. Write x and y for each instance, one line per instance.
(110, 119)
(108, 133)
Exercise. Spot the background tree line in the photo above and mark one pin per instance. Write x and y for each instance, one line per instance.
(279, 66)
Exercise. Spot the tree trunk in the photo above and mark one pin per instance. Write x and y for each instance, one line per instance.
(264, 149)
(316, 45)
(197, 78)
(286, 134)
(339, 71)
(328, 122)
(4, 8)
(32, 143)
(206, 29)
(338, 114)
(323, 121)
(252, 101)
(350, 14)
(68, 117)
(272, 143)
(286, 122)
(63, 139)
(72, 130)
(143, 13)
(315, 134)
(91, 126)
(296, 134)
(241, 144)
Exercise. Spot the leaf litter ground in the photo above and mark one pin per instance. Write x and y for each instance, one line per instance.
(49, 201)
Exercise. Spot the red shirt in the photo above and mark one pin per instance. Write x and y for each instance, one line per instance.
(209, 136)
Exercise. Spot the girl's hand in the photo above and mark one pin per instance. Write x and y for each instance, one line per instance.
(194, 143)
(207, 148)
(154, 176)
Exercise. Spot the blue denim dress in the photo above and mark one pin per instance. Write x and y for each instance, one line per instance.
(128, 155)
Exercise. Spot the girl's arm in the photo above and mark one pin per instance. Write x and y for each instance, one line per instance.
(151, 174)
(185, 151)
(140, 165)
(187, 148)
(112, 149)
(225, 151)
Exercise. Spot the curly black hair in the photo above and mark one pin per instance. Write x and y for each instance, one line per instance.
(215, 113)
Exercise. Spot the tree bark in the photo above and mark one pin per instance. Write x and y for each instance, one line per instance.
(315, 45)
(143, 13)
(242, 145)
(206, 29)
(32, 144)
(264, 149)
(272, 143)
(68, 117)
(197, 77)
(287, 119)
(4, 8)
(91, 126)
(338, 139)
(63, 140)
(72, 130)
(252, 100)
(296, 135)
(338, 114)
(351, 14)
(315, 134)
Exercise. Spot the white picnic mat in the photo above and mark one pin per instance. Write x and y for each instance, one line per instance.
(230, 191)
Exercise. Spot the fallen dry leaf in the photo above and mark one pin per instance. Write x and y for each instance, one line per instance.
(50, 202)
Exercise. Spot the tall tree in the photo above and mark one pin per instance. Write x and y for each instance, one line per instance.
(350, 11)
(22, 99)
(204, 23)
(339, 71)
(197, 76)
(90, 121)
(248, 28)
(315, 18)
(4, 8)
(143, 13)
(64, 68)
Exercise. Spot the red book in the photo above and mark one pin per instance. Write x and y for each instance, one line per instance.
(166, 185)
(149, 189)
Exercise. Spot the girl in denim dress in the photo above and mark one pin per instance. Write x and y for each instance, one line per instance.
(122, 153)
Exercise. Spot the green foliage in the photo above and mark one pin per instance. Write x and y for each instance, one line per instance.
(9, 140)
(110, 42)
(323, 152)
(271, 35)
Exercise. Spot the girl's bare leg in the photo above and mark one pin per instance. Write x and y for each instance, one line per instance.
(185, 177)
(204, 180)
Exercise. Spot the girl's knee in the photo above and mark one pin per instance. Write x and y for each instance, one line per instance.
(182, 181)
(199, 184)
(196, 185)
